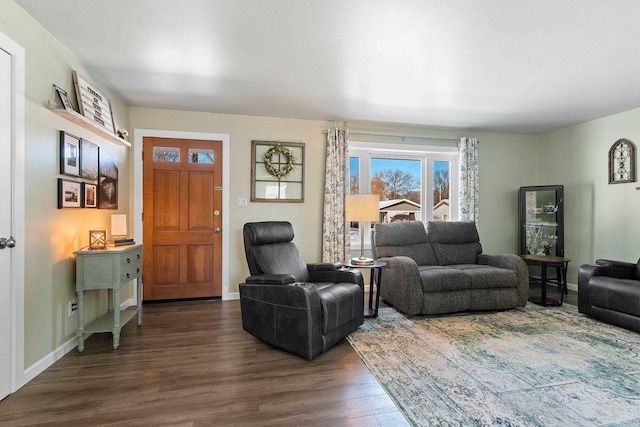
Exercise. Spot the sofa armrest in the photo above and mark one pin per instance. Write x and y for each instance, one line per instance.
(273, 279)
(517, 265)
(617, 269)
(324, 266)
(343, 275)
(585, 273)
(401, 284)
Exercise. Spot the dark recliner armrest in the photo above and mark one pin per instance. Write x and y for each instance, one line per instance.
(324, 266)
(617, 269)
(340, 275)
(271, 279)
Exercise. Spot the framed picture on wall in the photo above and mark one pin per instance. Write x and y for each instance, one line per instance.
(69, 154)
(89, 195)
(89, 160)
(107, 181)
(277, 171)
(69, 194)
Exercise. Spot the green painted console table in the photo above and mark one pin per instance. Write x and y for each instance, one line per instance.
(108, 269)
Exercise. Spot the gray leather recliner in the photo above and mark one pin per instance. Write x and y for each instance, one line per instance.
(610, 291)
(301, 308)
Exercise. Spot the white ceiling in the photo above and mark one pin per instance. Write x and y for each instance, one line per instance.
(520, 66)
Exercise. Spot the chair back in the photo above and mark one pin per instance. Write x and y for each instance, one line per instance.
(269, 249)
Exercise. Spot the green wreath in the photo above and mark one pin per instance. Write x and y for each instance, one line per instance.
(279, 169)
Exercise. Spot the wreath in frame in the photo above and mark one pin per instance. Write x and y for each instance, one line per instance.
(279, 169)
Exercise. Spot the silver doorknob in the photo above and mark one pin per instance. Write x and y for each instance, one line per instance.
(7, 243)
(216, 230)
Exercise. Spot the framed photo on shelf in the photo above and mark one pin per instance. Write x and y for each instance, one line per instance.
(93, 104)
(89, 160)
(64, 97)
(277, 171)
(69, 193)
(69, 154)
(89, 195)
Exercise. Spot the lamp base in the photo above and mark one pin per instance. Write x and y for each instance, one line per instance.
(362, 261)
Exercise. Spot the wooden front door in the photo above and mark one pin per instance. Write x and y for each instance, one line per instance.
(182, 218)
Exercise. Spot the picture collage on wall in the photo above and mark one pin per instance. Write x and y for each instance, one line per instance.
(97, 169)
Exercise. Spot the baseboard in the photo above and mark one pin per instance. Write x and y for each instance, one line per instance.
(41, 365)
(572, 287)
(232, 295)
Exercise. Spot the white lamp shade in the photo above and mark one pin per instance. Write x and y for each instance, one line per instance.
(118, 225)
(362, 207)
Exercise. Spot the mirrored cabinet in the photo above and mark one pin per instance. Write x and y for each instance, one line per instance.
(541, 223)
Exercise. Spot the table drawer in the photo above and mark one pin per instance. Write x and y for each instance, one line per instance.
(129, 273)
(130, 258)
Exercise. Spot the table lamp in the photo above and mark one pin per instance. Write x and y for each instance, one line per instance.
(362, 208)
(118, 226)
(97, 239)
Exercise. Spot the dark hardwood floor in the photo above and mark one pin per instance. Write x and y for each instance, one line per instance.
(191, 364)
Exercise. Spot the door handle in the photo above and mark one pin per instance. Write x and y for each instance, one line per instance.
(216, 230)
(7, 243)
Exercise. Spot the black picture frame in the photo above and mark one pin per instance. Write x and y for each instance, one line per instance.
(89, 165)
(64, 98)
(69, 194)
(107, 181)
(69, 154)
(89, 195)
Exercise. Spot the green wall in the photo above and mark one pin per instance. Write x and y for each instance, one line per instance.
(601, 218)
(53, 234)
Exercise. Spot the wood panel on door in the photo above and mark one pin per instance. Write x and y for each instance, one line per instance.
(182, 218)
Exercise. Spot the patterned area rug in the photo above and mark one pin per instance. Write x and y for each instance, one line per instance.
(531, 366)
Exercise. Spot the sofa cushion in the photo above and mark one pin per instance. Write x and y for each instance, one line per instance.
(636, 275)
(454, 242)
(453, 232)
(440, 278)
(615, 294)
(407, 238)
(486, 277)
(449, 254)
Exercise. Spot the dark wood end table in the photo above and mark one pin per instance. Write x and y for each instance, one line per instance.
(560, 263)
(376, 265)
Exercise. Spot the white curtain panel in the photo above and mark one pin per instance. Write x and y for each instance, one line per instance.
(335, 234)
(468, 210)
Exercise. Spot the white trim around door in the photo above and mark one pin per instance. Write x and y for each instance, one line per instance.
(18, 378)
(138, 135)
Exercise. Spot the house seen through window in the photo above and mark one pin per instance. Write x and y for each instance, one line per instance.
(415, 183)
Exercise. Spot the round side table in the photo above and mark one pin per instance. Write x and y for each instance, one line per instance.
(376, 265)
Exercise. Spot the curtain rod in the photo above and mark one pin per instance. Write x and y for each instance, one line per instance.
(388, 135)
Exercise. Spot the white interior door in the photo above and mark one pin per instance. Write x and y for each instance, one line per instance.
(6, 198)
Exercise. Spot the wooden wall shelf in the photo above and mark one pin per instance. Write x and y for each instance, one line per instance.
(80, 120)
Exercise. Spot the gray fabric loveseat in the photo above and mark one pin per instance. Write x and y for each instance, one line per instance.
(441, 269)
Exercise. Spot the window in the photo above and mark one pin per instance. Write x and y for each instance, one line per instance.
(407, 177)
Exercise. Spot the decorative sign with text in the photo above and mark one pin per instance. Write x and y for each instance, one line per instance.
(94, 105)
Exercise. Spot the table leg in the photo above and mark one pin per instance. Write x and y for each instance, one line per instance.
(116, 318)
(371, 272)
(139, 305)
(80, 331)
(378, 285)
(543, 284)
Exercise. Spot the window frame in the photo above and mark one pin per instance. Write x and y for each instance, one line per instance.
(427, 154)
